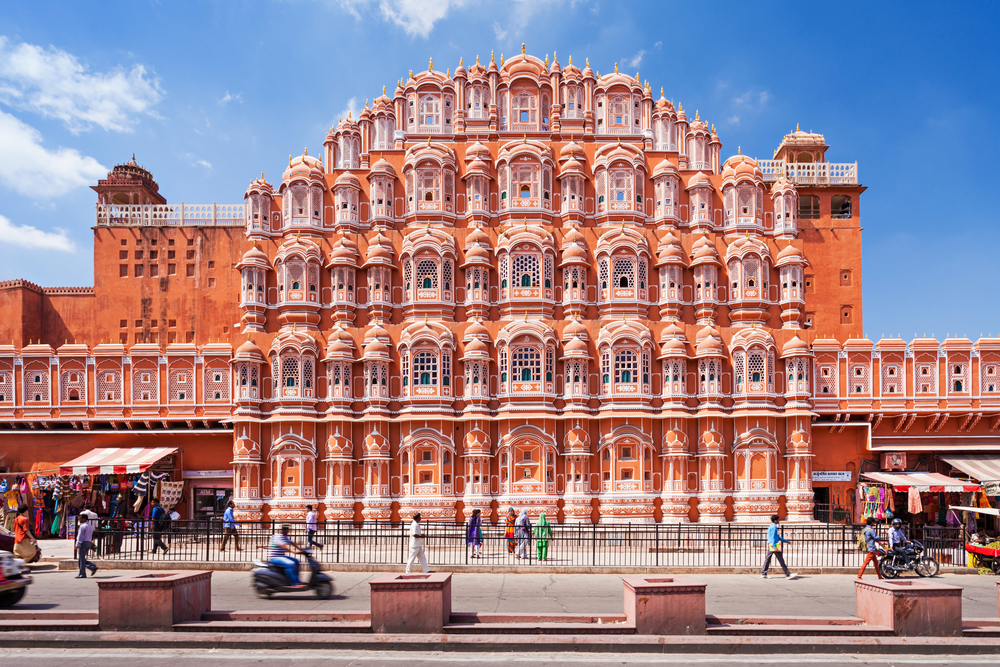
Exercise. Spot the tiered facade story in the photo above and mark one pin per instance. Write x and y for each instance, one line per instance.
(522, 284)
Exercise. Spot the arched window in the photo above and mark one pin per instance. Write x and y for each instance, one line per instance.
(429, 114)
(626, 367)
(425, 369)
(526, 364)
(526, 270)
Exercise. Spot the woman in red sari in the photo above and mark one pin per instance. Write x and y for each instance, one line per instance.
(509, 532)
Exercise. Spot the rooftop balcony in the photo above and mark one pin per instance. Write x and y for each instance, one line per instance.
(178, 215)
(811, 173)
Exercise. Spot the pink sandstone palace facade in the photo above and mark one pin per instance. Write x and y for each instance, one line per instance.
(519, 284)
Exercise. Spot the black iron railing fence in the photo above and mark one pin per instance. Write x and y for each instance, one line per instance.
(726, 545)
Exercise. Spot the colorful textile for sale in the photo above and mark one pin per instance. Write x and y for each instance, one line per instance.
(171, 493)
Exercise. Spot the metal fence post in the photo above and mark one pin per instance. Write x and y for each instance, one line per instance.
(338, 540)
(593, 544)
(719, 548)
(208, 538)
(402, 542)
(843, 546)
(656, 534)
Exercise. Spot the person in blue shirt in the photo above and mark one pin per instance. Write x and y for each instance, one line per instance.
(897, 538)
(229, 528)
(774, 542)
(160, 522)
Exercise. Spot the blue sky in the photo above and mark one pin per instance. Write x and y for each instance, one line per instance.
(207, 94)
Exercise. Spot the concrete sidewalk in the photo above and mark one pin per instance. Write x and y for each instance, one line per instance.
(727, 594)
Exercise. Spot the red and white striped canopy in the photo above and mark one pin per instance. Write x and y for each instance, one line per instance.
(924, 481)
(984, 467)
(115, 460)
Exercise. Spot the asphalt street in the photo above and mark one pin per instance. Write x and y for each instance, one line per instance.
(820, 595)
(172, 658)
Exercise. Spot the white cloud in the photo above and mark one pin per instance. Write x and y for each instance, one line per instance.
(351, 109)
(416, 17)
(657, 45)
(752, 99)
(499, 32)
(204, 163)
(54, 84)
(238, 97)
(27, 236)
(34, 171)
(734, 120)
(635, 60)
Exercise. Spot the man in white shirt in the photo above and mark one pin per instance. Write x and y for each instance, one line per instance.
(311, 526)
(416, 545)
(84, 537)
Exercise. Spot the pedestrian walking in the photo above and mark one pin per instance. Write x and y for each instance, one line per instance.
(416, 545)
(311, 527)
(523, 534)
(474, 534)
(159, 520)
(543, 531)
(84, 538)
(25, 543)
(508, 531)
(871, 546)
(229, 527)
(774, 542)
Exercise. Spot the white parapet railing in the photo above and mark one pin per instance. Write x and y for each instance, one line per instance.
(811, 173)
(154, 215)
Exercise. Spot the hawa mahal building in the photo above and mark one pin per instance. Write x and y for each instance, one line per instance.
(522, 284)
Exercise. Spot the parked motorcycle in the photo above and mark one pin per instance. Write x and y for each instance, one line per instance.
(14, 579)
(893, 564)
(268, 579)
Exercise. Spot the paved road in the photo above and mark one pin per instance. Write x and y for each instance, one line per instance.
(215, 658)
(821, 595)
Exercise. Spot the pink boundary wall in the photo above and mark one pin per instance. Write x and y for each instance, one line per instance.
(153, 601)
(910, 608)
(410, 603)
(665, 605)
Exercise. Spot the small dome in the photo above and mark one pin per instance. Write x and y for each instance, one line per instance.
(575, 345)
(573, 151)
(572, 166)
(376, 348)
(344, 252)
(575, 329)
(699, 180)
(347, 180)
(709, 343)
(254, 257)
(669, 251)
(796, 347)
(665, 168)
(703, 251)
(476, 347)
(478, 236)
(478, 151)
(476, 329)
(789, 255)
(303, 167)
(249, 349)
(379, 251)
(380, 168)
(673, 347)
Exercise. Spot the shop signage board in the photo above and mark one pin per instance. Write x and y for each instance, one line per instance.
(831, 476)
(991, 488)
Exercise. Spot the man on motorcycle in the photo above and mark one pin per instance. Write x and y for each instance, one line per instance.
(278, 554)
(897, 539)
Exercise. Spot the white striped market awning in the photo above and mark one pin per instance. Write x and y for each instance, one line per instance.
(115, 460)
(984, 467)
(924, 481)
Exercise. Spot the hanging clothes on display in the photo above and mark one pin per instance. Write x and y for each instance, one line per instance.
(913, 504)
(170, 494)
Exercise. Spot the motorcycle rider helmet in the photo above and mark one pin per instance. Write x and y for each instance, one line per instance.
(897, 522)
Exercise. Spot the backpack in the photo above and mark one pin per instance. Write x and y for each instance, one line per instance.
(862, 541)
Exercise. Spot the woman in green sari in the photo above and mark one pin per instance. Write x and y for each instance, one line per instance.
(543, 531)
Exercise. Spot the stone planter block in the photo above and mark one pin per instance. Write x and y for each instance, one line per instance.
(669, 605)
(410, 603)
(911, 608)
(153, 601)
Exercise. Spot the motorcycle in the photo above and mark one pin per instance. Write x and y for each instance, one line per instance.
(14, 579)
(893, 563)
(269, 579)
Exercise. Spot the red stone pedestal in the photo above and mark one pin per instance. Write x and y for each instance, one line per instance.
(410, 603)
(153, 601)
(669, 605)
(911, 607)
